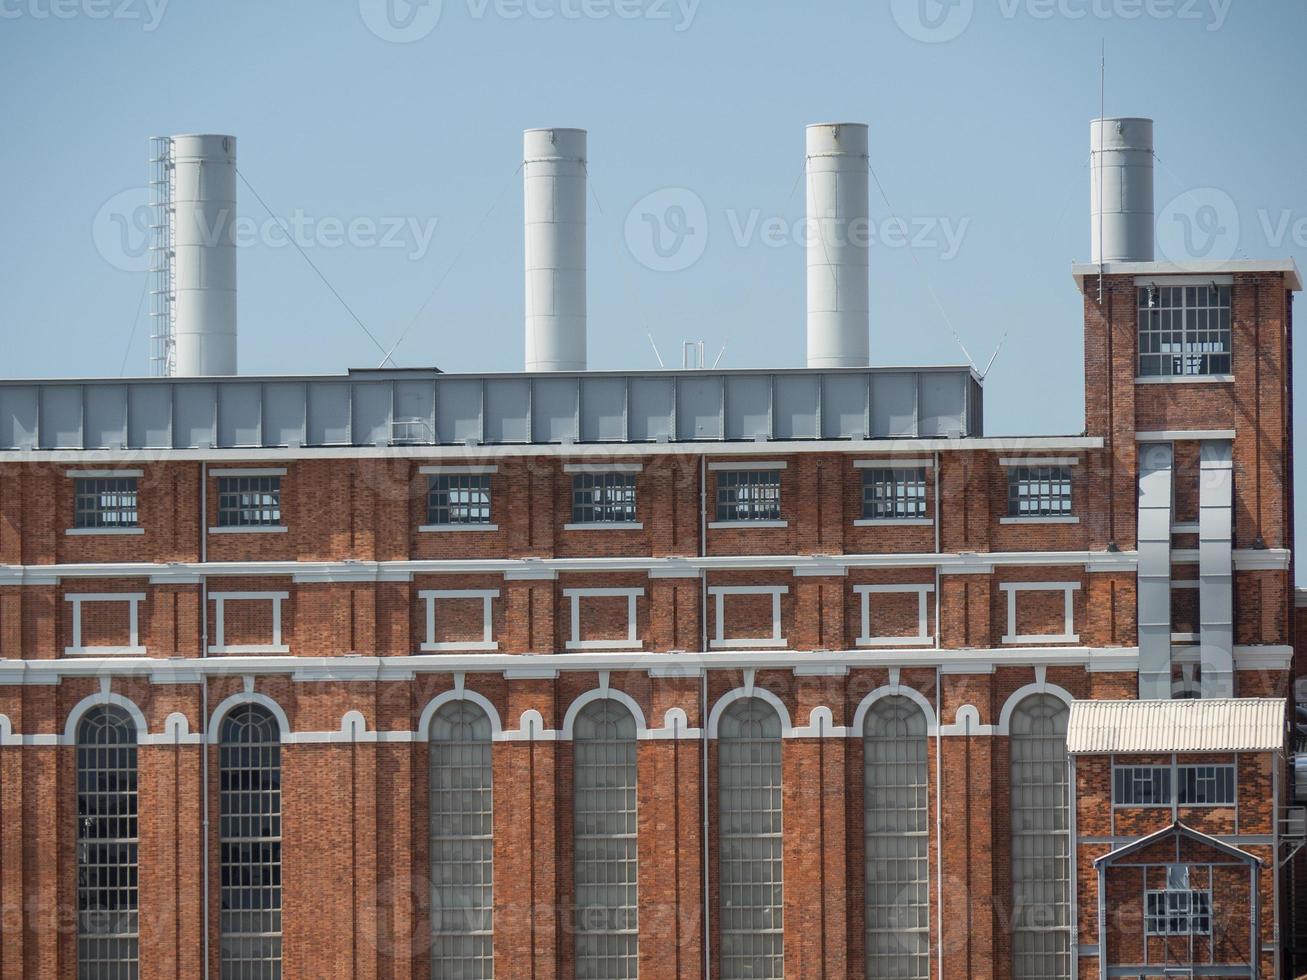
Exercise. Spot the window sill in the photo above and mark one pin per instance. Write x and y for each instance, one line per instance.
(605, 526)
(244, 648)
(1044, 638)
(104, 651)
(746, 644)
(87, 531)
(425, 528)
(894, 641)
(455, 645)
(894, 522)
(254, 529)
(604, 644)
(1039, 520)
(1187, 379)
(724, 525)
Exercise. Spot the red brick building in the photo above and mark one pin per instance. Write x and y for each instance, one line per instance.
(680, 674)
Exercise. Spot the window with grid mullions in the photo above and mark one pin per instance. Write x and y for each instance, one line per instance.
(1039, 491)
(249, 501)
(1041, 840)
(107, 847)
(750, 845)
(249, 843)
(896, 828)
(1184, 331)
(106, 502)
(749, 495)
(462, 843)
(894, 492)
(459, 498)
(605, 862)
(1206, 785)
(1141, 785)
(603, 498)
(1179, 913)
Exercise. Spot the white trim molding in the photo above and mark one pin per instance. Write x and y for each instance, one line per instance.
(748, 691)
(719, 594)
(251, 529)
(104, 474)
(1062, 519)
(487, 641)
(1039, 461)
(1040, 686)
(133, 647)
(892, 464)
(1068, 590)
(602, 694)
(457, 693)
(632, 596)
(248, 471)
(893, 689)
(1181, 435)
(603, 467)
(220, 600)
(486, 470)
(247, 697)
(99, 698)
(718, 466)
(77, 532)
(722, 525)
(604, 526)
(921, 638)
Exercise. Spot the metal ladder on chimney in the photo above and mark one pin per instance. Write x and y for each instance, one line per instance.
(163, 275)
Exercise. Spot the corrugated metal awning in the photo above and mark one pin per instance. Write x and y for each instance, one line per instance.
(1191, 725)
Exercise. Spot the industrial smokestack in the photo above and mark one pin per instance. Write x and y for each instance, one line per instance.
(203, 216)
(1121, 190)
(838, 240)
(554, 181)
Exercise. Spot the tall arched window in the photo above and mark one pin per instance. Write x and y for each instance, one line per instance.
(1041, 841)
(107, 927)
(749, 841)
(604, 766)
(462, 844)
(896, 829)
(249, 842)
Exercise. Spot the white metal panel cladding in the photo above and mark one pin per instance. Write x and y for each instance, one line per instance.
(1189, 725)
(1216, 570)
(426, 408)
(1155, 479)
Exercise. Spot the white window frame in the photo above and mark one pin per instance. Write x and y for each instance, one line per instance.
(632, 641)
(133, 648)
(719, 594)
(220, 599)
(922, 636)
(1068, 590)
(487, 641)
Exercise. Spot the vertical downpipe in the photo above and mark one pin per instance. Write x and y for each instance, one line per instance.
(703, 714)
(939, 824)
(204, 712)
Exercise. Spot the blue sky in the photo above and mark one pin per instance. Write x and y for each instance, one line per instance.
(402, 125)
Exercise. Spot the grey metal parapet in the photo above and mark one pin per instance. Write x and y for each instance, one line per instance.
(415, 408)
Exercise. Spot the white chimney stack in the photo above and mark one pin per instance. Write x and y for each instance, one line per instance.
(554, 180)
(204, 254)
(1121, 190)
(838, 241)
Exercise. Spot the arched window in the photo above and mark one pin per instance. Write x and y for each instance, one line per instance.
(749, 842)
(896, 828)
(1041, 841)
(107, 928)
(604, 766)
(462, 844)
(249, 841)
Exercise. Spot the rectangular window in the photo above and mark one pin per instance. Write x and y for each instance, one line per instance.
(458, 499)
(1141, 786)
(1039, 491)
(249, 501)
(1179, 913)
(1206, 785)
(603, 498)
(106, 503)
(749, 495)
(1184, 330)
(894, 492)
